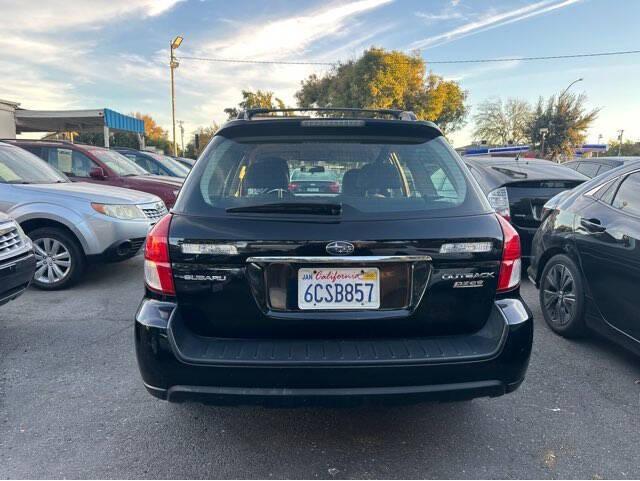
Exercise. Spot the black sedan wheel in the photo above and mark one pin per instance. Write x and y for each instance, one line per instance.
(562, 296)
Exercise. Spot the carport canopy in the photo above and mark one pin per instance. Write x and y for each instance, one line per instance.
(94, 120)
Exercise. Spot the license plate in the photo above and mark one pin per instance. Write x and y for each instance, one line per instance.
(339, 288)
(313, 189)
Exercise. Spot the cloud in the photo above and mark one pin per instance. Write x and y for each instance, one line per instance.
(292, 35)
(479, 71)
(52, 15)
(491, 21)
(326, 34)
(56, 45)
(441, 17)
(27, 86)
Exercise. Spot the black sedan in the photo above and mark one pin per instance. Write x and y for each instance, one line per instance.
(518, 189)
(598, 165)
(587, 258)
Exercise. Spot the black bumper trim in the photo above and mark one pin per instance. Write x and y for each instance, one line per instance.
(296, 396)
(190, 348)
(15, 276)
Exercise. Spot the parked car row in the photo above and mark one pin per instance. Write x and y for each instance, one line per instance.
(586, 258)
(518, 189)
(73, 224)
(157, 164)
(97, 165)
(595, 166)
(581, 237)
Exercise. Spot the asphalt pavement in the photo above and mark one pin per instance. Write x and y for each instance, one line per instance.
(72, 405)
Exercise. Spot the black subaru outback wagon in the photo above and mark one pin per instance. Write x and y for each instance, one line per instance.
(399, 284)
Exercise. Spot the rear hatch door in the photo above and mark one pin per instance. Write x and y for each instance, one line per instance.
(250, 286)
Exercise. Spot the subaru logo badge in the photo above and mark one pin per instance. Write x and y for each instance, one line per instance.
(340, 248)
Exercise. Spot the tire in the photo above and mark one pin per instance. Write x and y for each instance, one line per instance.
(562, 298)
(60, 260)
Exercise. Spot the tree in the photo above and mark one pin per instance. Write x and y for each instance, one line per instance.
(629, 148)
(152, 131)
(205, 134)
(501, 123)
(567, 121)
(388, 80)
(252, 100)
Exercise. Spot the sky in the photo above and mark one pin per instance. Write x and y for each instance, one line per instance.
(72, 54)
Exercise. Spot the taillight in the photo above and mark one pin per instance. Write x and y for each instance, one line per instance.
(334, 187)
(157, 266)
(499, 200)
(293, 187)
(510, 266)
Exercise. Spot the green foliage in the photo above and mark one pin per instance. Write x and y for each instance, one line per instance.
(629, 148)
(567, 119)
(258, 99)
(388, 80)
(205, 134)
(501, 123)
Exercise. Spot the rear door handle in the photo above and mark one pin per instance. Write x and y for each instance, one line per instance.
(592, 225)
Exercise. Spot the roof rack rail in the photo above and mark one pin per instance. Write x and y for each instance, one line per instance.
(396, 113)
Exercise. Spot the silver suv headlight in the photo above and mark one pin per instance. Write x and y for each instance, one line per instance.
(119, 211)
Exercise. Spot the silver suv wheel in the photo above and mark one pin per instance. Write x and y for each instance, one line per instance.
(53, 260)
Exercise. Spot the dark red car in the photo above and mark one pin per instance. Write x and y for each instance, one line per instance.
(88, 163)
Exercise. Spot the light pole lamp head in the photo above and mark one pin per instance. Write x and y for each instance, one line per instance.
(176, 42)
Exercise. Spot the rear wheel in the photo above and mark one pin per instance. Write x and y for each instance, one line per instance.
(562, 296)
(59, 258)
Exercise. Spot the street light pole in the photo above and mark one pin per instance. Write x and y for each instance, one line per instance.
(569, 86)
(173, 64)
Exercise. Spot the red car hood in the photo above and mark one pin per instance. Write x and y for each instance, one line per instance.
(174, 182)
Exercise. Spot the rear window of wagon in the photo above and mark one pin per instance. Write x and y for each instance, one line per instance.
(378, 178)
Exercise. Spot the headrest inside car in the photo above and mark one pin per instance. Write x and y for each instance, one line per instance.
(268, 173)
(379, 176)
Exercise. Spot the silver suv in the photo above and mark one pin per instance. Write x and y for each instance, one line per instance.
(72, 224)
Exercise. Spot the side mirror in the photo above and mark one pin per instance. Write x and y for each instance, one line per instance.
(97, 173)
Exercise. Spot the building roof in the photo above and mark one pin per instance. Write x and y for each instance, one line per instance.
(76, 120)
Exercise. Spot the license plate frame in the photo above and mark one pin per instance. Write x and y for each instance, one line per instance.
(363, 280)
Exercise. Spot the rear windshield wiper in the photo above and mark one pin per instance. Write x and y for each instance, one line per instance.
(303, 208)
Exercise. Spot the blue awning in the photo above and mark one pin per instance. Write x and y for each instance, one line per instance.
(124, 123)
(93, 120)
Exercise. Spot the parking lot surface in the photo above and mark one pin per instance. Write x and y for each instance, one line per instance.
(72, 405)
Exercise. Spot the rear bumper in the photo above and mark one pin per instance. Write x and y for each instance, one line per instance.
(177, 365)
(15, 276)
